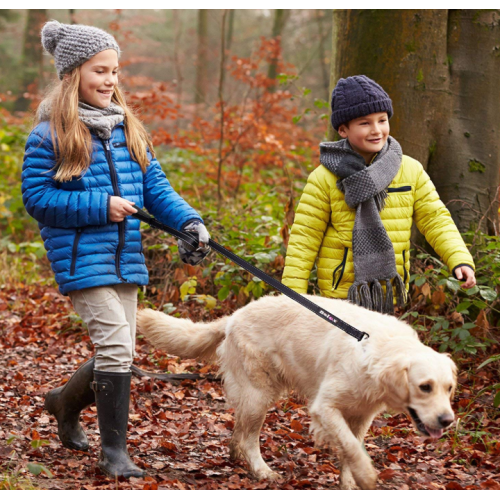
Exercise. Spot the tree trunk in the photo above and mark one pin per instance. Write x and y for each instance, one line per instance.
(202, 59)
(179, 77)
(230, 29)
(319, 15)
(280, 19)
(221, 104)
(32, 57)
(466, 163)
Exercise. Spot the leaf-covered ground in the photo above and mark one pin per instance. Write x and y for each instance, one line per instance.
(179, 433)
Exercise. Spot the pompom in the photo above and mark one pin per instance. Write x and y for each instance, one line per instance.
(51, 36)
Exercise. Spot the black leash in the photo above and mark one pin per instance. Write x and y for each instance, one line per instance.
(193, 241)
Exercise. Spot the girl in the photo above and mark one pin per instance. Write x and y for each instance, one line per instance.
(88, 161)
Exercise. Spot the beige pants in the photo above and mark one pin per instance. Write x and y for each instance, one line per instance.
(110, 315)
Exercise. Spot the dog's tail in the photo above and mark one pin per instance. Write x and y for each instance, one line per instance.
(181, 337)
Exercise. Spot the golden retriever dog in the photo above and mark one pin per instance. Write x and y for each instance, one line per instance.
(274, 345)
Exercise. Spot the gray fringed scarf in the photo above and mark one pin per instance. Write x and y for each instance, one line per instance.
(100, 120)
(365, 189)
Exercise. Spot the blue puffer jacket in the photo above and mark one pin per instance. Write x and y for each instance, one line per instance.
(84, 247)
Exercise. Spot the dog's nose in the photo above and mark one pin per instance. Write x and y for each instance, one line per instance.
(445, 420)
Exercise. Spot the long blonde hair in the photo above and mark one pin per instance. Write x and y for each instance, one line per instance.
(73, 148)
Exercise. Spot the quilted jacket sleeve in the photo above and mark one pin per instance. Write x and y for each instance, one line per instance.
(434, 221)
(311, 220)
(161, 200)
(48, 204)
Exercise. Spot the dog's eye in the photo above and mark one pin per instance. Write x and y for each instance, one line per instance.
(425, 388)
(450, 388)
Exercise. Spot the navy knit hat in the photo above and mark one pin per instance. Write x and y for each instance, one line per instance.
(357, 96)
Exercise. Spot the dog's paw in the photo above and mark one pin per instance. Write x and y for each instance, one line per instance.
(366, 477)
(268, 475)
(347, 482)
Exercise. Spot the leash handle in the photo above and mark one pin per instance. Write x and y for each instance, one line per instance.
(292, 294)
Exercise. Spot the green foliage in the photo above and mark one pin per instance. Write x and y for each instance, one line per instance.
(444, 296)
(12, 477)
(13, 216)
(249, 225)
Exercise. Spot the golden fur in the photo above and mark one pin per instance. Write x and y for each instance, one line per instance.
(74, 144)
(273, 345)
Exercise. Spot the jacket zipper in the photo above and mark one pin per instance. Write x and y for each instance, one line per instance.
(116, 191)
(341, 266)
(399, 189)
(75, 251)
(119, 144)
(404, 268)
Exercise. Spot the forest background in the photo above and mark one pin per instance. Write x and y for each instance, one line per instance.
(237, 102)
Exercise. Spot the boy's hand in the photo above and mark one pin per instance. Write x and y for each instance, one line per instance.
(467, 273)
(119, 208)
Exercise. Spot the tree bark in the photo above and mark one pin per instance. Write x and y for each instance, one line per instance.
(177, 20)
(221, 104)
(32, 57)
(280, 19)
(230, 29)
(202, 59)
(319, 16)
(466, 163)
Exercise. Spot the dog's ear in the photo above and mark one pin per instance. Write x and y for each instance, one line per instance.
(454, 370)
(394, 379)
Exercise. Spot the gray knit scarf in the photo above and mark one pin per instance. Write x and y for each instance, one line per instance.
(99, 120)
(365, 189)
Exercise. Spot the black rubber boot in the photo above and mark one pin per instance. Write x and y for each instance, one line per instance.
(112, 395)
(66, 403)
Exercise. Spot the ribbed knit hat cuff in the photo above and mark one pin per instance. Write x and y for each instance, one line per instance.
(61, 71)
(341, 116)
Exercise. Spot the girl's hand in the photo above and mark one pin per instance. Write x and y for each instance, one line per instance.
(189, 254)
(466, 273)
(119, 208)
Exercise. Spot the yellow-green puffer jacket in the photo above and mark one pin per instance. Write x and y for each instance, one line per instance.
(324, 222)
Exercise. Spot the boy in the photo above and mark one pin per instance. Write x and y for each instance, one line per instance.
(357, 208)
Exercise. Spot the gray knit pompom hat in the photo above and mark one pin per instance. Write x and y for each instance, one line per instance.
(73, 44)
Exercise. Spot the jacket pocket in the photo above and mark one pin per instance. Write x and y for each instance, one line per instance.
(75, 251)
(401, 189)
(119, 144)
(339, 270)
(405, 274)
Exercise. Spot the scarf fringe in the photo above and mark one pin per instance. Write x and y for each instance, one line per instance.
(401, 296)
(365, 296)
(377, 296)
(389, 298)
(370, 295)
